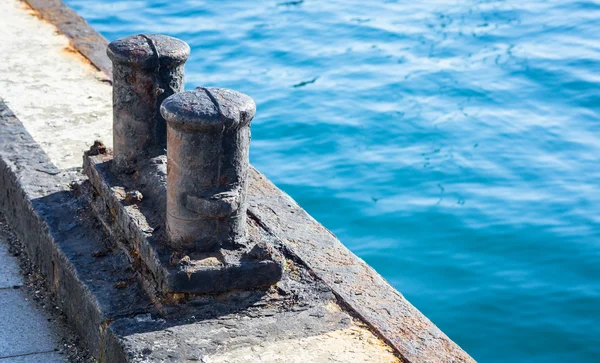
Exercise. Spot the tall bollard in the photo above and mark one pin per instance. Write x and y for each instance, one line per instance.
(146, 70)
(208, 137)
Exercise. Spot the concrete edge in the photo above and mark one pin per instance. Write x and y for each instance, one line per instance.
(82, 36)
(356, 284)
(364, 291)
(21, 214)
(48, 218)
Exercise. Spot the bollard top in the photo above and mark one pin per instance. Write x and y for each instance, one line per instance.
(208, 108)
(145, 49)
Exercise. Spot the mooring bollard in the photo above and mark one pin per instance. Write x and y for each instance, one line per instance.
(146, 70)
(208, 137)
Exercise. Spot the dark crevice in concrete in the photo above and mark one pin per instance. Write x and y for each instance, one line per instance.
(15, 287)
(27, 354)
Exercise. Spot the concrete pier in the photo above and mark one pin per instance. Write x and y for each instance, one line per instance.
(55, 101)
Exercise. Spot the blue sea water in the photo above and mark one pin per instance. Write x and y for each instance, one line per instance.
(453, 145)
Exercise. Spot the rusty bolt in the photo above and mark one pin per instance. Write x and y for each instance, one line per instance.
(134, 197)
(208, 137)
(97, 149)
(146, 70)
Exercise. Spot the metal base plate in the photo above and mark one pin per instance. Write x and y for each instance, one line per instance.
(138, 226)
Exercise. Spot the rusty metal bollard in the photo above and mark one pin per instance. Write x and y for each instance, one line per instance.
(208, 137)
(146, 70)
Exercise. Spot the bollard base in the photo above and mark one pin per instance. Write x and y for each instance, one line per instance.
(131, 208)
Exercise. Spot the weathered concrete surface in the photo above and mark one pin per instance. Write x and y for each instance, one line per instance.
(33, 286)
(51, 357)
(345, 345)
(84, 38)
(299, 311)
(141, 229)
(9, 270)
(57, 93)
(24, 329)
(349, 345)
(69, 248)
(104, 298)
(26, 335)
(323, 288)
(360, 287)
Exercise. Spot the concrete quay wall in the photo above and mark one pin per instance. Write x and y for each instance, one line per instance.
(55, 100)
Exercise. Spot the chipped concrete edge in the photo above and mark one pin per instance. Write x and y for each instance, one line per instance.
(356, 284)
(82, 36)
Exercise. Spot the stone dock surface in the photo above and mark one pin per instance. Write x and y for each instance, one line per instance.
(32, 327)
(55, 100)
(26, 333)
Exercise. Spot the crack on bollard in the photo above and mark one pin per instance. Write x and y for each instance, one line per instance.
(157, 86)
(212, 98)
(157, 80)
(154, 50)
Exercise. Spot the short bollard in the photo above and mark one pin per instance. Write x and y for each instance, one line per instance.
(208, 136)
(146, 70)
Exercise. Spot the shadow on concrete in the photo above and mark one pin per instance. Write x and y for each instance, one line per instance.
(108, 273)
